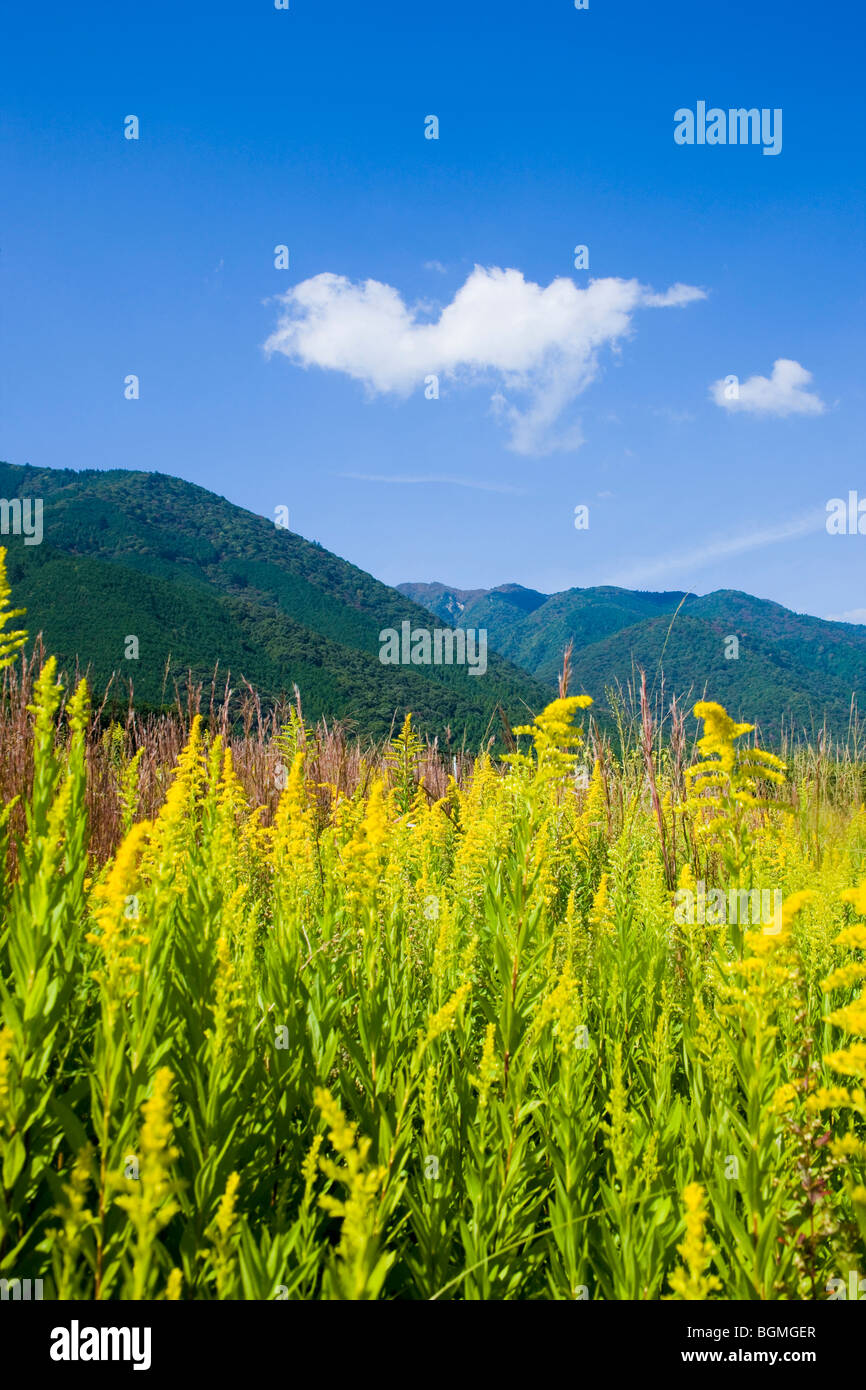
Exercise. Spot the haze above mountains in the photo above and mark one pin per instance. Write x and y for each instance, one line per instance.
(200, 582)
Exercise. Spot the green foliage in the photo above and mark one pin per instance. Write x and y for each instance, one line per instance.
(463, 1053)
(201, 582)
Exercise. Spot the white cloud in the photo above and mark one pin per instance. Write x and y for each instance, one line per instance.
(854, 615)
(675, 298)
(720, 549)
(437, 266)
(782, 393)
(446, 479)
(540, 345)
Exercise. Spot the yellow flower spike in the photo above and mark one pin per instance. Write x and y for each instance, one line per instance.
(75, 1217)
(294, 833)
(227, 1003)
(150, 1204)
(686, 879)
(692, 1281)
(78, 710)
(117, 932)
(720, 731)
(444, 1019)
(488, 1069)
(555, 741)
(783, 1098)
(853, 936)
(310, 1167)
(446, 940)
(231, 803)
(844, 975)
(357, 1248)
(7, 1043)
(852, 1017)
(850, 1061)
(176, 817)
(226, 1217)
(222, 1235)
(849, 1147)
(365, 853)
(601, 916)
(829, 1098)
(793, 905)
(857, 898)
(724, 791)
(593, 814)
(342, 1132)
(561, 1008)
(10, 642)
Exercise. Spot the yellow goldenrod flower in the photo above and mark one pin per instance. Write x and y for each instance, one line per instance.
(118, 929)
(555, 739)
(357, 1249)
(364, 855)
(601, 917)
(10, 642)
(176, 824)
(857, 897)
(149, 1202)
(7, 1042)
(489, 1067)
(793, 905)
(444, 1019)
(225, 1217)
(310, 1167)
(692, 1281)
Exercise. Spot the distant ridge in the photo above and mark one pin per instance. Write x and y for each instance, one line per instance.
(791, 670)
(198, 581)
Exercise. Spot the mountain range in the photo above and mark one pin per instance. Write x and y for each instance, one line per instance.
(202, 584)
(199, 581)
(782, 670)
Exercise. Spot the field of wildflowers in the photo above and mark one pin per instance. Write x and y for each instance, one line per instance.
(425, 1039)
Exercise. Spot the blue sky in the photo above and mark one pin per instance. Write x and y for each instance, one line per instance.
(261, 127)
